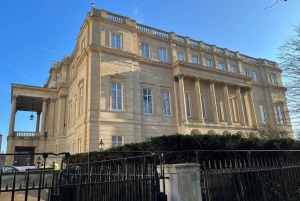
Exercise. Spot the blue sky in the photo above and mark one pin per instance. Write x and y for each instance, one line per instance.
(34, 33)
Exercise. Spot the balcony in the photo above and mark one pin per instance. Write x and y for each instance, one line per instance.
(26, 134)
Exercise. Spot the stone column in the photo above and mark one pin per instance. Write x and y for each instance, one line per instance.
(239, 68)
(182, 98)
(240, 104)
(12, 115)
(198, 100)
(43, 116)
(213, 100)
(37, 126)
(252, 108)
(51, 117)
(248, 110)
(226, 101)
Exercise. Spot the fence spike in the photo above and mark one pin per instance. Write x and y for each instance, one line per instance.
(32, 184)
(46, 184)
(20, 187)
(6, 187)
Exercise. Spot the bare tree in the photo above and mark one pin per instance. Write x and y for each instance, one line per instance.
(276, 2)
(269, 132)
(290, 63)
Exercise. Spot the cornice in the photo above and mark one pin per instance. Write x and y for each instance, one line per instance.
(32, 88)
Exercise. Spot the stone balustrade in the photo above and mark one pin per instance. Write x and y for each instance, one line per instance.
(25, 134)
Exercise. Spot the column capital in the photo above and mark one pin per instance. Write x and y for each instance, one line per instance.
(63, 96)
(45, 99)
(196, 79)
(237, 86)
(211, 81)
(14, 96)
(180, 76)
(248, 89)
(53, 99)
(225, 84)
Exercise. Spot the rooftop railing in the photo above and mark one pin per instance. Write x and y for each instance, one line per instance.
(25, 134)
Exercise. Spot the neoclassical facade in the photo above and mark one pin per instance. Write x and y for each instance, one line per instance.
(127, 82)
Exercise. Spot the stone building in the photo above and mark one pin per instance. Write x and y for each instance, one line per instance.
(126, 82)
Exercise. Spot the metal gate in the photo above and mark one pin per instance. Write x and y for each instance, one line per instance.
(251, 179)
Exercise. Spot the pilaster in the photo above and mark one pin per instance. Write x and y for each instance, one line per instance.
(226, 101)
(213, 100)
(198, 99)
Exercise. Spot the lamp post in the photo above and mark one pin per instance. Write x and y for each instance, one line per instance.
(38, 162)
(101, 145)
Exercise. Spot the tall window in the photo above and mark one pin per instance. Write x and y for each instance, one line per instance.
(81, 101)
(208, 63)
(203, 107)
(218, 109)
(116, 141)
(233, 69)
(273, 79)
(75, 108)
(262, 114)
(70, 115)
(187, 105)
(280, 114)
(79, 146)
(162, 55)
(116, 96)
(180, 57)
(195, 60)
(166, 103)
(221, 66)
(245, 72)
(147, 96)
(145, 50)
(255, 77)
(116, 41)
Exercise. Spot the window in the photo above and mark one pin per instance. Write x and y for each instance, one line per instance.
(208, 63)
(81, 101)
(195, 60)
(255, 77)
(116, 41)
(166, 103)
(116, 96)
(273, 79)
(218, 109)
(187, 105)
(147, 96)
(180, 57)
(79, 146)
(280, 114)
(245, 72)
(162, 55)
(82, 45)
(262, 114)
(116, 141)
(233, 69)
(145, 51)
(70, 115)
(221, 66)
(203, 107)
(75, 105)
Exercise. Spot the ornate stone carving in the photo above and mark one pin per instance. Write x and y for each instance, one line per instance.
(211, 81)
(196, 79)
(225, 84)
(237, 86)
(180, 76)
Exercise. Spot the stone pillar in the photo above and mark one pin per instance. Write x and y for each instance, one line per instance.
(227, 65)
(198, 100)
(182, 98)
(12, 115)
(248, 110)
(213, 100)
(37, 126)
(239, 68)
(252, 108)
(226, 101)
(240, 104)
(43, 116)
(51, 117)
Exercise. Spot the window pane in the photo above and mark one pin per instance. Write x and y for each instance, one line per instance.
(180, 57)
(162, 55)
(262, 114)
(187, 104)
(195, 60)
(280, 115)
(208, 63)
(203, 107)
(166, 103)
(221, 66)
(245, 72)
(233, 69)
(147, 101)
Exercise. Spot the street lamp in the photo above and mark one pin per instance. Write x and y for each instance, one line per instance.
(101, 145)
(38, 162)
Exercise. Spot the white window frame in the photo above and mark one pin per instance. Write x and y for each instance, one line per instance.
(255, 76)
(79, 145)
(188, 105)
(118, 96)
(233, 69)
(114, 43)
(81, 101)
(145, 50)
(116, 141)
(147, 101)
(195, 60)
(203, 107)
(166, 103)
(262, 114)
(162, 53)
(221, 66)
(180, 56)
(273, 79)
(245, 72)
(280, 115)
(208, 63)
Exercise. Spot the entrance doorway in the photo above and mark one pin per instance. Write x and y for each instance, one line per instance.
(24, 160)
